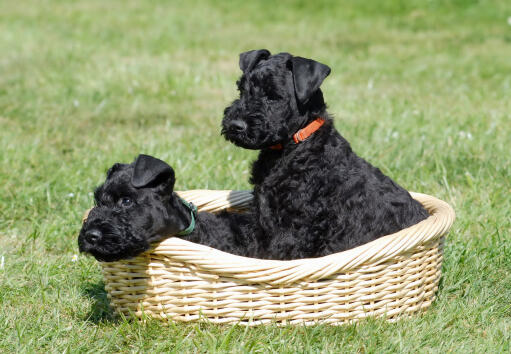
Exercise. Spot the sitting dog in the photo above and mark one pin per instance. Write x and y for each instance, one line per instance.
(136, 206)
(313, 195)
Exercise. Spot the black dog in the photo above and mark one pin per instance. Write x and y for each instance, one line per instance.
(313, 195)
(137, 206)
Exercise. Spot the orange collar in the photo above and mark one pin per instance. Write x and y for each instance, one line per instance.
(304, 133)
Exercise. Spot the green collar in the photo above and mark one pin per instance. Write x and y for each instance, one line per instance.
(193, 215)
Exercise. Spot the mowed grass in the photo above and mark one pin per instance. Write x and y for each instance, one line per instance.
(420, 89)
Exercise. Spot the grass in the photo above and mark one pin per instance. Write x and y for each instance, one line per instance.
(420, 89)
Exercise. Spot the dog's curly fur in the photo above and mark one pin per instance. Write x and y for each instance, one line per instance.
(137, 206)
(316, 197)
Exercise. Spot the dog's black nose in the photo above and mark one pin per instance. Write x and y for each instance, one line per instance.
(93, 236)
(238, 125)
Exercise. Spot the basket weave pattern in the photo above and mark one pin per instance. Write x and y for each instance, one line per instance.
(182, 281)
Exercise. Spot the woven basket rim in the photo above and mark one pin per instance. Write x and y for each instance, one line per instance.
(289, 271)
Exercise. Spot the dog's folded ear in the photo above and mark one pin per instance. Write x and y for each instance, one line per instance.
(308, 76)
(249, 60)
(149, 170)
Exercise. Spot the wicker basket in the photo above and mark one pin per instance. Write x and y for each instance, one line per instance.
(182, 281)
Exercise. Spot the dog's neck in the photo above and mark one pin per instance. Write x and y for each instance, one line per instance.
(313, 147)
(179, 215)
(309, 123)
(304, 133)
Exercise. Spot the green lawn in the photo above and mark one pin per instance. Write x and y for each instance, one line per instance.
(421, 89)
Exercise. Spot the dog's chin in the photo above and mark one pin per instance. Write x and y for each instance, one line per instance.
(106, 254)
(99, 255)
(245, 145)
(111, 257)
(107, 257)
(243, 142)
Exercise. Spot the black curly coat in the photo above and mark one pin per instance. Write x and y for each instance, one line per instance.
(315, 197)
(137, 206)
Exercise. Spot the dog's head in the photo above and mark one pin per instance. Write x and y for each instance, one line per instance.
(131, 210)
(279, 94)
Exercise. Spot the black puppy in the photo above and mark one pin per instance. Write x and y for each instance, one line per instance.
(137, 206)
(313, 195)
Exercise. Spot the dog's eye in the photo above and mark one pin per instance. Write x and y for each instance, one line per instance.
(125, 201)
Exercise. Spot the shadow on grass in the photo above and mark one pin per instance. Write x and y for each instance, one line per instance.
(100, 311)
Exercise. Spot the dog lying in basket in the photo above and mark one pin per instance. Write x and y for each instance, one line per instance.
(137, 206)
